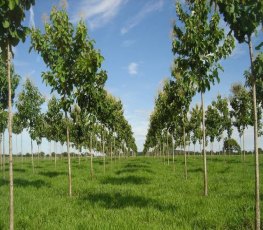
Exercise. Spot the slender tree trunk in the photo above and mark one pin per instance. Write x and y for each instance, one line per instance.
(1, 155)
(11, 181)
(104, 154)
(22, 147)
(4, 154)
(173, 148)
(79, 154)
(110, 153)
(204, 152)
(185, 157)
(32, 157)
(244, 154)
(257, 192)
(38, 154)
(167, 144)
(91, 158)
(69, 163)
(55, 152)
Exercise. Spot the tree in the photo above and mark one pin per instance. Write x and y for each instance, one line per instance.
(11, 32)
(4, 95)
(53, 118)
(231, 145)
(29, 108)
(241, 104)
(195, 123)
(212, 123)
(199, 44)
(243, 18)
(74, 65)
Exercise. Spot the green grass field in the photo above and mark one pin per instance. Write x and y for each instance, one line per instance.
(135, 193)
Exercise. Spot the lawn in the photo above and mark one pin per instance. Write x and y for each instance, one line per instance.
(134, 193)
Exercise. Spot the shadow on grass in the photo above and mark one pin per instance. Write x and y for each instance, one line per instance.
(195, 170)
(52, 174)
(26, 183)
(19, 170)
(225, 170)
(131, 165)
(120, 201)
(133, 170)
(136, 180)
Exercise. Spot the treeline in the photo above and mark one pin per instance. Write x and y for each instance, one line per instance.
(199, 44)
(83, 113)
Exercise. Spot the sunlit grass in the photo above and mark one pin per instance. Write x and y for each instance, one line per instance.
(135, 193)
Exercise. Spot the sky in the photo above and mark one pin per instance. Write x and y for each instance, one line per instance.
(135, 39)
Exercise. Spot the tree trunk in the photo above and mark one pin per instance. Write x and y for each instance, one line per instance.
(204, 152)
(91, 158)
(1, 155)
(185, 157)
(69, 163)
(173, 148)
(38, 154)
(167, 145)
(32, 157)
(55, 152)
(257, 193)
(104, 156)
(22, 147)
(11, 180)
(4, 154)
(244, 154)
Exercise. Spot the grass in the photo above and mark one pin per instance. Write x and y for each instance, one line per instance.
(135, 193)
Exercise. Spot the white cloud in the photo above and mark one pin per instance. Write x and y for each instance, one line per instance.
(97, 12)
(133, 68)
(31, 18)
(147, 9)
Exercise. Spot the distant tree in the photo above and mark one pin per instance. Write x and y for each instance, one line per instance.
(29, 108)
(231, 146)
(241, 103)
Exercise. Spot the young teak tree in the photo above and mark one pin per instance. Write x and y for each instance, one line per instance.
(199, 44)
(11, 32)
(243, 18)
(29, 109)
(74, 65)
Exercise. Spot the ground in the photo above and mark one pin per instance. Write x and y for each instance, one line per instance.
(134, 193)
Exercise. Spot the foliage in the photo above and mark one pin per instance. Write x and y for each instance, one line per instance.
(231, 145)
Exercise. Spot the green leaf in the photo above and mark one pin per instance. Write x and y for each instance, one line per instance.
(5, 24)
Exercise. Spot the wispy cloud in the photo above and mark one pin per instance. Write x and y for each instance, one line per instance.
(148, 8)
(98, 12)
(127, 43)
(133, 68)
(31, 18)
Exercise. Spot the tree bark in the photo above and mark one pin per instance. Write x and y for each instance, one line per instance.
(1, 155)
(204, 152)
(244, 154)
(4, 154)
(167, 144)
(69, 163)
(104, 157)
(32, 157)
(257, 193)
(91, 158)
(11, 179)
(185, 157)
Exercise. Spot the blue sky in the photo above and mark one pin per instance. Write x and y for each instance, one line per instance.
(135, 39)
